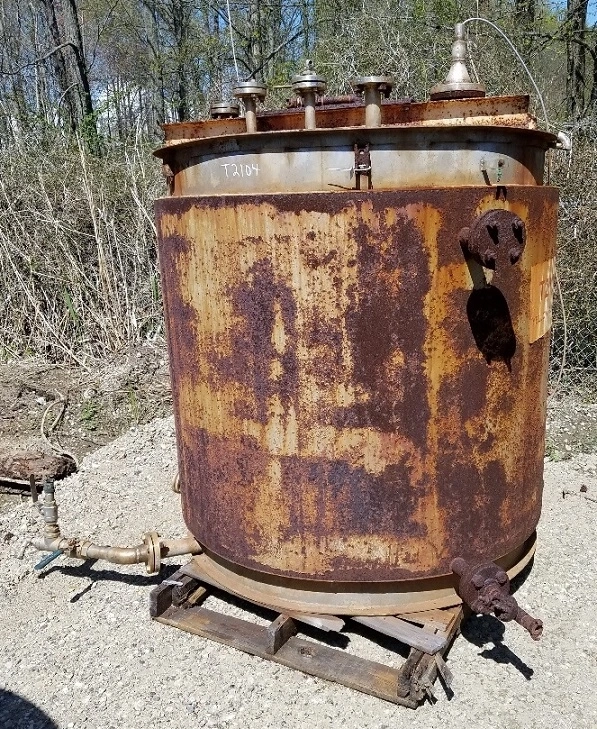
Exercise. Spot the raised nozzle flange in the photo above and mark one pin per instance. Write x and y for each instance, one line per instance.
(224, 110)
(250, 92)
(485, 588)
(458, 84)
(373, 88)
(497, 236)
(307, 84)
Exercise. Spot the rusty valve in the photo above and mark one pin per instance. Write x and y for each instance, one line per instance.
(497, 234)
(485, 588)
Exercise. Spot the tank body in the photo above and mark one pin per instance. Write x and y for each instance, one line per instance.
(359, 398)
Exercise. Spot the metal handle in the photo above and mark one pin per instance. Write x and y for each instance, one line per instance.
(49, 558)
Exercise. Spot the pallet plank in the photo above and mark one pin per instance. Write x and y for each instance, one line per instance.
(328, 663)
(405, 632)
(329, 623)
(280, 631)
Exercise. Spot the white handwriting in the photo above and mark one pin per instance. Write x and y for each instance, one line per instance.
(240, 170)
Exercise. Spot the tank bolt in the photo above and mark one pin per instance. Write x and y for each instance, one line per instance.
(307, 84)
(485, 588)
(502, 578)
(373, 88)
(250, 92)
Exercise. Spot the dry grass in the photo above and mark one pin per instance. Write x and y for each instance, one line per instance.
(77, 250)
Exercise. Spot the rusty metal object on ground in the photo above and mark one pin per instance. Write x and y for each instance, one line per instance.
(497, 237)
(21, 458)
(458, 83)
(485, 588)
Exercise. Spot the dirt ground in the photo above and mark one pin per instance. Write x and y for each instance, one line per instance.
(101, 402)
(80, 409)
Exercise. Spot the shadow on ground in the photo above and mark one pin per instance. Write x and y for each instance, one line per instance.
(18, 713)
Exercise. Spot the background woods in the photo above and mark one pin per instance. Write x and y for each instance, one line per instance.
(85, 84)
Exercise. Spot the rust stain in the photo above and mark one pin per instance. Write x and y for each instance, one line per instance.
(338, 415)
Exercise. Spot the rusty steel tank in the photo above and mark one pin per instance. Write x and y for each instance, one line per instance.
(358, 304)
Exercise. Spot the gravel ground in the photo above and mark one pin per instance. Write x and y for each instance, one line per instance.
(78, 643)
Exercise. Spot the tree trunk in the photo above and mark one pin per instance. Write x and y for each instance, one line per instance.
(58, 61)
(576, 21)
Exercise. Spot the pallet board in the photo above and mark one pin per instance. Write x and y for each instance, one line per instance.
(177, 602)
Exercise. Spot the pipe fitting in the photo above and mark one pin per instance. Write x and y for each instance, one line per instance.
(250, 92)
(485, 588)
(306, 85)
(150, 552)
(457, 84)
(373, 88)
(224, 110)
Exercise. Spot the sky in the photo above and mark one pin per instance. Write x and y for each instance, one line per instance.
(591, 10)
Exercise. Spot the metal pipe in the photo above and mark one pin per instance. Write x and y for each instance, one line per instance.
(309, 104)
(372, 106)
(250, 92)
(373, 88)
(250, 114)
(307, 84)
(77, 548)
(150, 552)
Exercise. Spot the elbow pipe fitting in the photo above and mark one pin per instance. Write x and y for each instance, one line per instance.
(150, 553)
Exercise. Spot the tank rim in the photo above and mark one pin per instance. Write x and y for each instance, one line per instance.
(342, 598)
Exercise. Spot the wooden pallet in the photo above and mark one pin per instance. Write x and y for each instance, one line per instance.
(177, 602)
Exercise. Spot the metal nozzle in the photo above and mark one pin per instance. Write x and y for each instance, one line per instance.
(458, 84)
(373, 88)
(306, 84)
(250, 92)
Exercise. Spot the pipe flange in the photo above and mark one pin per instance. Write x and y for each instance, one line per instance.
(154, 552)
(250, 89)
(308, 80)
(224, 110)
(382, 83)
